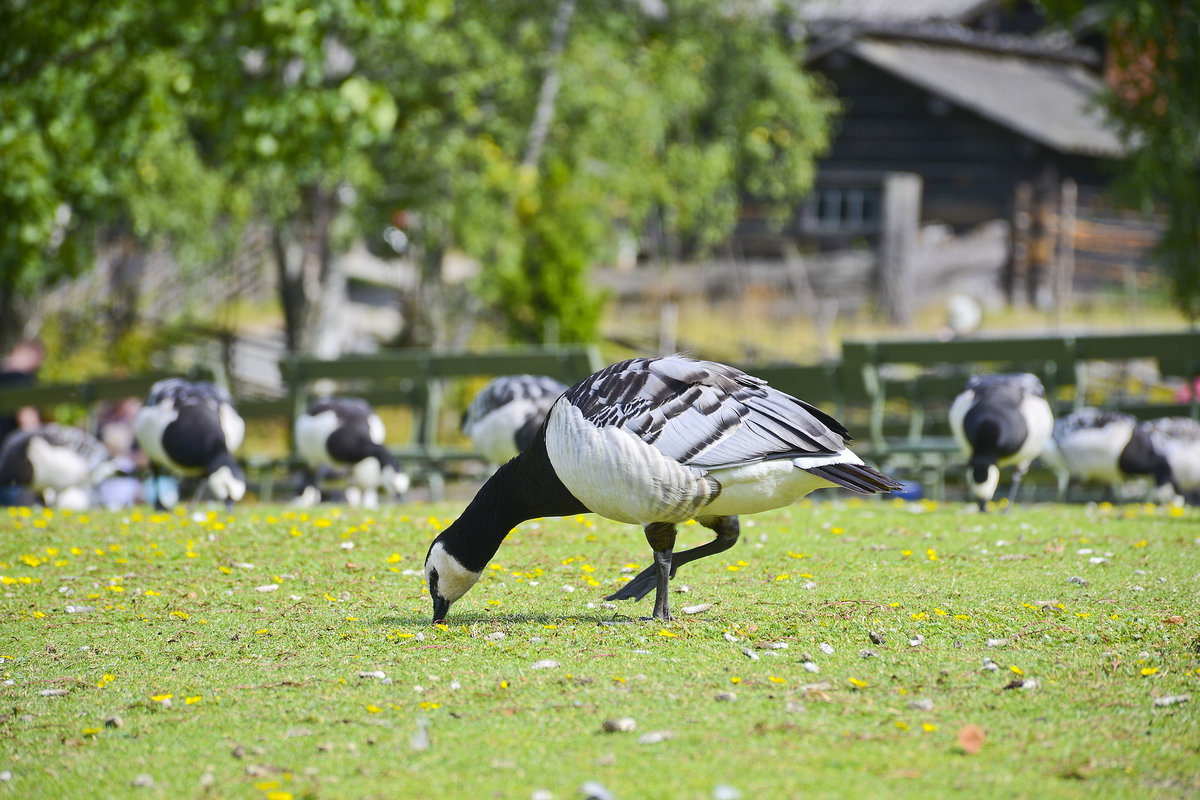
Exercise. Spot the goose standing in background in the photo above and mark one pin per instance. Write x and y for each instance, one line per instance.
(654, 442)
(1105, 447)
(60, 464)
(193, 429)
(506, 414)
(345, 433)
(998, 421)
(1178, 440)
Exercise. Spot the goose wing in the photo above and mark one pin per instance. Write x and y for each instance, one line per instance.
(540, 390)
(705, 414)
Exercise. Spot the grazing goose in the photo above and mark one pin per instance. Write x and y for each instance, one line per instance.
(506, 414)
(1000, 420)
(1106, 447)
(1178, 439)
(654, 442)
(61, 464)
(345, 433)
(194, 430)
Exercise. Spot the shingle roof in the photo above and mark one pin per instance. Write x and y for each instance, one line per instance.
(890, 10)
(1049, 101)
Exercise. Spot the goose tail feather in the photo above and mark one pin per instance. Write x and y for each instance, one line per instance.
(858, 478)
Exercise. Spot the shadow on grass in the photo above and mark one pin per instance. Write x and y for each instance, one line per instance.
(511, 619)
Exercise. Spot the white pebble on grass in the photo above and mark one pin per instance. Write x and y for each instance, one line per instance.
(917, 641)
(698, 609)
(997, 642)
(654, 737)
(726, 792)
(750, 654)
(1171, 700)
(270, 587)
(619, 725)
(827, 649)
(545, 663)
(811, 667)
(495, 637)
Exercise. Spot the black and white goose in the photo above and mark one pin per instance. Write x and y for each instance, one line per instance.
(1178, 440)
(345, 434)
(506, 414)
(60, 464)
(193, 429)
(1106, 447)
(1000, 421)
(654, 442)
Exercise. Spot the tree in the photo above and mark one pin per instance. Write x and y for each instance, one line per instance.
(1154, 97)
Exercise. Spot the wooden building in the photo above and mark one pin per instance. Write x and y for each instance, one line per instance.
(987, 124)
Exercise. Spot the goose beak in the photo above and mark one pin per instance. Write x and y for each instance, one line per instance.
(441, 608)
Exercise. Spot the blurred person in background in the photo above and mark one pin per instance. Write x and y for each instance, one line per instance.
(19, 370)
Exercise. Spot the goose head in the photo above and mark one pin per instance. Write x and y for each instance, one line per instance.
(447, 578)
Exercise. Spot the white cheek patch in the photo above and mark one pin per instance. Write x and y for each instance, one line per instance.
(454, 580)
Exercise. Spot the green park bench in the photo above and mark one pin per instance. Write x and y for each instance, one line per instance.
(89, 393)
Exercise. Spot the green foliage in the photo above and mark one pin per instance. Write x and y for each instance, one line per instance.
(173, 122)
(253, 655)
(1154, 96)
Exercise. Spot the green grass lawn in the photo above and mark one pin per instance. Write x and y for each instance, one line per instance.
(276, 654)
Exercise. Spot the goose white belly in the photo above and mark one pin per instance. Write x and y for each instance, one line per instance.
(55, 467)
(312, 431)
(493, 433)
(148, 427)
(763, 486)
(1092, 454)
(1039, 423)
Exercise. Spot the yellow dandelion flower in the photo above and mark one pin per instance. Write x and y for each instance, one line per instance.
(504, 684)
(90, 731)
(665, 632)
(277, 795)
(1017, 669)
(180, 614)
(1147, 671)
(394, 557)
(928, 727)
(373, 709)
(429, 706)
(837, 531)
(901, 725)
(735, 679)
(1141, 543)
(191, 701)
(158, 698)
(858, 684)
(776, 679)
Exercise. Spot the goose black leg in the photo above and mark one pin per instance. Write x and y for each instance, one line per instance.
(1018, 474)
(661, 536)
(727, 530)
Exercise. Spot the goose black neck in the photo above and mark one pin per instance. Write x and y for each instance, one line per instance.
(525, 488)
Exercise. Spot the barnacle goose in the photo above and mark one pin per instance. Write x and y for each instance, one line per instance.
(654, 442)
(60, 464)
(193, 429)
(345, 433)
(1178, 439)
(1105, 447)
(998, 421)
(504, 417)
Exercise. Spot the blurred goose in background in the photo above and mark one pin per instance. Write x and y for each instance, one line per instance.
(654, 442)
(59, 464)
(1107, 447)
(345, 433)
(506, 414)
(193, 429)
(1178, 440)
(1000, 421)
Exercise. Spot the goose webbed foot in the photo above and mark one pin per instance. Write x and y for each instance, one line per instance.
(637, 588)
